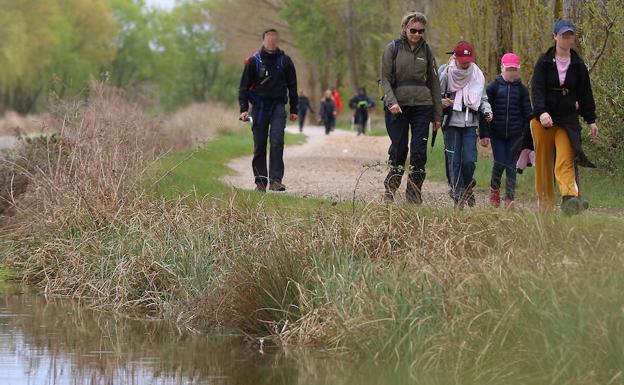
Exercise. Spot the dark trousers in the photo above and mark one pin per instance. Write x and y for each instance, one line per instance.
(302, 116)
(504, 161)
(269, 122)
(329, 122)
(359, 120)
(415, 119)
(460, 145)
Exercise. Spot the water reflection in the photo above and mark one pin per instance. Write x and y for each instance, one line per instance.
(59, 342)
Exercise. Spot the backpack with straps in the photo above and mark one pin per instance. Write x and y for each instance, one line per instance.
(262, 70)
(396, 44)
(395, 53)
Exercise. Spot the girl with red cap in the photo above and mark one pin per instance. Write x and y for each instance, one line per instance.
(512, 110)
(463, 95)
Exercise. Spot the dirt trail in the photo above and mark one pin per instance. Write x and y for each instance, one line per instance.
(329, 166)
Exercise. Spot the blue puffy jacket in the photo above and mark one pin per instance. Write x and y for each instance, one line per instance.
(511, 107)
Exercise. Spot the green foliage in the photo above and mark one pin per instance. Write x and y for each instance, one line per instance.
(164, 58)
(54, 46)
(602, 42)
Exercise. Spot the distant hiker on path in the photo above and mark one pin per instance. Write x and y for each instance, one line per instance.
(304, 106)
(561, 90)
(509, 129)
(328, 112)
(463, 86)
(361, 103)
(337, 99)
(269, 80)
(411, 102)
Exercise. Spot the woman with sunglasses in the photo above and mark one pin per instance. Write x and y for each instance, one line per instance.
(561, 90)
(411, 102)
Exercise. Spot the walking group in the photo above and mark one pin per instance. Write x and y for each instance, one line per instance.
(539, 128)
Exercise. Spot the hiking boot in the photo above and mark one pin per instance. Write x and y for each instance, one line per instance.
(458, 203)
(571, 205)
(495, 198)
(261, 187)
(468, 196)
(413, 193)
(584, 204)
(509, 204)
(471, 200)
(276, 186)
(413, 196)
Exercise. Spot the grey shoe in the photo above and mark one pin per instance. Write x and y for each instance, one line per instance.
(571, 205)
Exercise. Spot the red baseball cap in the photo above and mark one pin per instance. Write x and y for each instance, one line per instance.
(463, 53)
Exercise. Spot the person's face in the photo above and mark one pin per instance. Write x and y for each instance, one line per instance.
(463, 66)
(510, 73)
(414, 31)
(270, 41)
(566, 40)
(328, 94)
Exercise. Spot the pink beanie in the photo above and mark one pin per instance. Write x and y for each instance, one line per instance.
(510, 60)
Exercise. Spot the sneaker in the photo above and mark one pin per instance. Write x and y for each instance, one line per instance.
(276, 186)
(495, 198)
(571, 205)
(260, 187)
(509, 204)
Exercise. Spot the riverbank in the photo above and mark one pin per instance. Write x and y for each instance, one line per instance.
(481, 296)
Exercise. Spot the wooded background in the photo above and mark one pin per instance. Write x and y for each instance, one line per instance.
(165, 59)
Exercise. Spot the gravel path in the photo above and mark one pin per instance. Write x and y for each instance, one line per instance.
(329, 166)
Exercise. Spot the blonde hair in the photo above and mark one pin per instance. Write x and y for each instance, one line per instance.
(412, 17)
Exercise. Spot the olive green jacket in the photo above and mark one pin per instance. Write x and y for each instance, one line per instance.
(416, 80)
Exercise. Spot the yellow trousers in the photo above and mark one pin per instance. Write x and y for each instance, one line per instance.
(554, 158)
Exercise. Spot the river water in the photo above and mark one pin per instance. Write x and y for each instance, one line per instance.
(60, 342)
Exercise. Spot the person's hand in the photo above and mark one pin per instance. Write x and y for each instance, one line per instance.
(437, 126)
(594, 130)
(293, 117)
(546, 120)
(489, 117)
(335, 113)
(244, 116)
(395, 109)
(447, 102)
(485, 142)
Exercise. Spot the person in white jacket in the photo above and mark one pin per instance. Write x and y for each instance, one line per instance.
(463, 97)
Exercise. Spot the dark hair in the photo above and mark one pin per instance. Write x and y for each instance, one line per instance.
(268, 31)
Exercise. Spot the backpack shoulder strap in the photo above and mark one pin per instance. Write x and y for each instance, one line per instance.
(259, 62)
(395, 52)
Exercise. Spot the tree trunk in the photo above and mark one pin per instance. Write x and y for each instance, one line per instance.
(505, 32)
(352, 49)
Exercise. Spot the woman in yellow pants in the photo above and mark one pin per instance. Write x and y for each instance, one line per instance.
(561, 90)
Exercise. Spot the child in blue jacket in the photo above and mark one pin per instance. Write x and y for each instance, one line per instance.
(512, 112)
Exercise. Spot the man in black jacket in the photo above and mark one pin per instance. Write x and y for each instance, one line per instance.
(269, 81)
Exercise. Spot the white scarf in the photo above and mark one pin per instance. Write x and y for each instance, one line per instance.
(467, 84)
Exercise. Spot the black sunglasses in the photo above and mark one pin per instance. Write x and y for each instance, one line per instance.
(414, 31)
